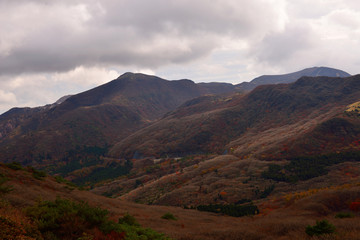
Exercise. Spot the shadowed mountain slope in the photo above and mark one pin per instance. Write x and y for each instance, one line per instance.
(93, 120)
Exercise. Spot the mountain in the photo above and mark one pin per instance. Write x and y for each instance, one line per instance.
(16, 116)
(217, 149)
(213, 124)
(288, 152)
(78, 130)
(291, 77)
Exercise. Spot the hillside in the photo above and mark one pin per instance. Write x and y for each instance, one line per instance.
(291, 77)
(246, 123)
(88, 124)
(225, 149)
(77, 132)
(281, 217)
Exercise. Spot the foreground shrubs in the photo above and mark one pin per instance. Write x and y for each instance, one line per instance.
(230, 209)
(15, 225)
(65, 219)
(11, 229)
(320, 228)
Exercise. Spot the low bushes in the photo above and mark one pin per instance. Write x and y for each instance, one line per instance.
(168, 216)
(128, 219)
(344, 215)
(14, 166)
(4, 189)
(65, 219)
(39, 175)
(230, 209)
(320, 228)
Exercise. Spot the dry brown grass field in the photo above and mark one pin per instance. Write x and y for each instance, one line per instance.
(281, 216)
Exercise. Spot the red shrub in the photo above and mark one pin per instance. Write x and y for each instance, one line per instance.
(355, 206)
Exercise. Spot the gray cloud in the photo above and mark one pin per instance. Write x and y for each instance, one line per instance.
(53, 48)
(278, 47)
(61, 35)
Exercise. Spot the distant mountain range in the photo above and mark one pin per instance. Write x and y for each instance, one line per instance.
(216, 124)
(137, 116)
(292, 77)
(287, 151)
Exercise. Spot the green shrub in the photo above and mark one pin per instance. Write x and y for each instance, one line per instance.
(4, 189)
(267, 191)
(344, 215)
(14, 166)
(39, 175)
(230, 209)
(60, 179)
(129, 220)
(168, 216)
(65, 219)
(139, 233)
(320, 228)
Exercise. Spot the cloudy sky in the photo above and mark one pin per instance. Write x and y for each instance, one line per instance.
(51, 48)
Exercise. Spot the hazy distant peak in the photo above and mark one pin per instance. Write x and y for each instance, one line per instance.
(292, 77)
(326, 71)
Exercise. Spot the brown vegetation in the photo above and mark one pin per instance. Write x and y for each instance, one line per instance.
(282, 222)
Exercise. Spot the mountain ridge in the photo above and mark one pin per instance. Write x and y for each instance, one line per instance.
(95, 118)
(291, 77)
(91, 130)
(289, 150)
(235, 115)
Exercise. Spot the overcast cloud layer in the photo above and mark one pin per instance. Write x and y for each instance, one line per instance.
(53, 48)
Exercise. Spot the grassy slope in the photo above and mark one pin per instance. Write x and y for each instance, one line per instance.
(282, 217)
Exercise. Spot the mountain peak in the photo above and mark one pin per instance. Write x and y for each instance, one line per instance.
(133, 75)
(292, 77)
(126, 74)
